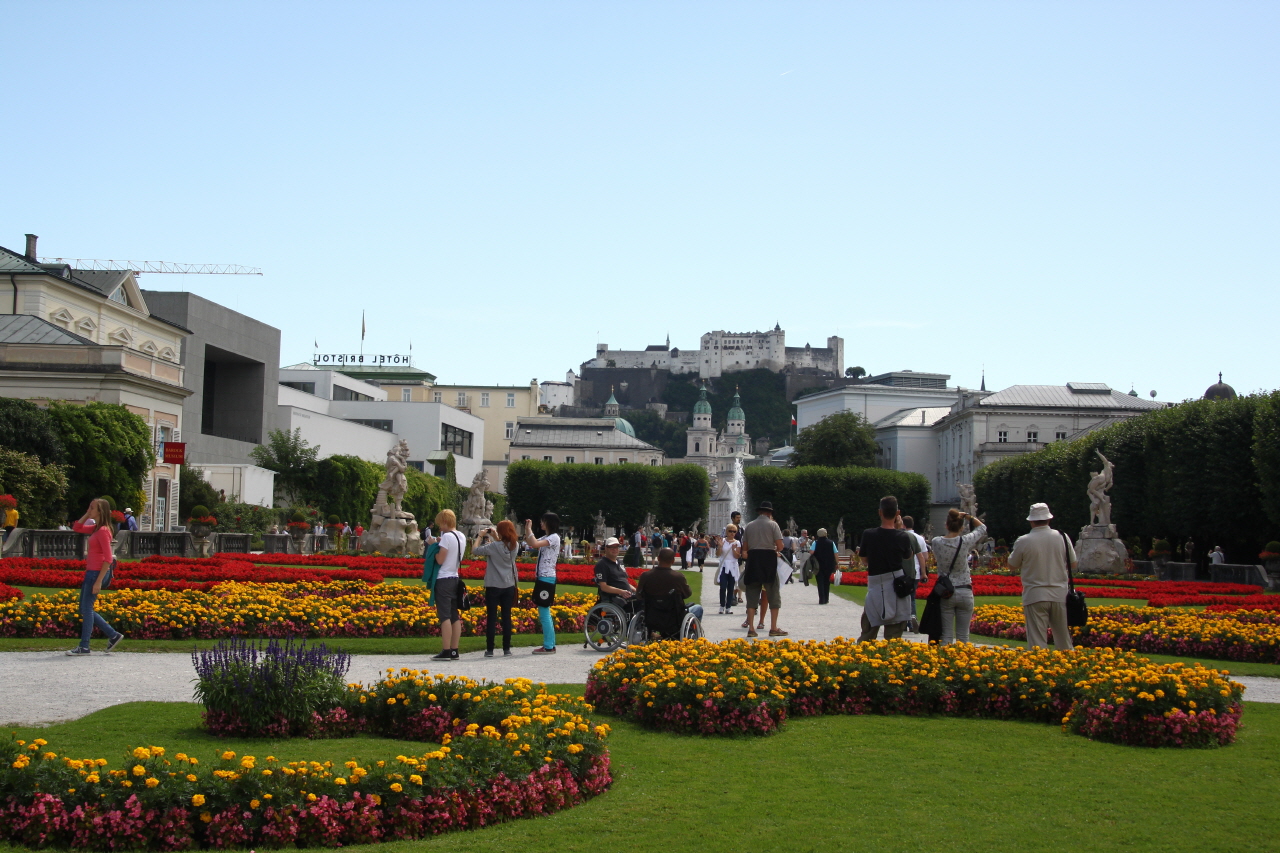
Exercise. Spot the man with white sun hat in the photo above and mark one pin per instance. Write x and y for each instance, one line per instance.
(1043, 556)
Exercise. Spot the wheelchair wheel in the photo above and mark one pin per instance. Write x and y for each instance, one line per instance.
(637, 634)
(605, 627)
(690, 628)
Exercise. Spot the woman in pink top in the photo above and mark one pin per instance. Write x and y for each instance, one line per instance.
(96, 524)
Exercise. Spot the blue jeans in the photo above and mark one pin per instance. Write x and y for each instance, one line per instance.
(696, 610)
(548, 628)
(727, 587)
(89, 618)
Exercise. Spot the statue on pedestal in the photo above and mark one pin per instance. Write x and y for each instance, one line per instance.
(968, 498)
(392, 530)
(477, 509)
(1099, 548)
(1099, 485)
(601, 532)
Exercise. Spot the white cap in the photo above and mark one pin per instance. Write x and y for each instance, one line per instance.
(611, 541)
(1039, 512)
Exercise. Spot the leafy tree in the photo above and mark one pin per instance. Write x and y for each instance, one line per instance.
(1266, 453)
(683, 495)
(40, 488)
(854, 372)
(675, 494)
(821, 496)
(238, 517)
(669, 436)
(347, 486)
(27, 428)
(840, 440)
(108, 451)
(426, 496)
(293, 460)
(194, 490)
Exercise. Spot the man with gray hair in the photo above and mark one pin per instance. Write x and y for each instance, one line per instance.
(1045, 557)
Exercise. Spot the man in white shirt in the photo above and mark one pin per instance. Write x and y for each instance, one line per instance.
(1043, 555)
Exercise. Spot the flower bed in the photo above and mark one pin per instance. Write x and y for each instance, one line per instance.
(506, 751)
(737, 687)
(1157, 593)
(305, 609)
(567, 574)
(1222, 635)
(8, 593)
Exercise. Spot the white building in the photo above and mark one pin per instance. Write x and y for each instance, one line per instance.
(552, 395)
(610, 440)
(879, 397)
(343, 415)
(721, 352)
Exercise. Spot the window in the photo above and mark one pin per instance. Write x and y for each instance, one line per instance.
(419, 464)
(306, 387)
(118, 295)
(599, 460)
(1002, 436)
(462, 398)
(697, 447)
(653, 461)
(406, 395)
(455, 440)
(484, 399)
(570, 459)
(437, 397)
(511, 430)
(622, 461)
(526, 457)
(1033, 435)
(547, 459)
(385, 425)
(340, 393)
(511, 399)
(1059, 436)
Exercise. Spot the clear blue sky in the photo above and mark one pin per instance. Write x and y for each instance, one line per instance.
(1059, 191)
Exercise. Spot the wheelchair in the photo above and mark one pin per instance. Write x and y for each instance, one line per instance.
(636, 621)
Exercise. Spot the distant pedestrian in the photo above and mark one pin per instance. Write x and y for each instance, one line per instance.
(700, 550)
(10, 516)
(735, 518)
(885, 549)
(548, 553)
(99, 562)
(762, 541)
(822, 559)
(1045, 557)
(449, 586)
(957, 611)
(499, 546)
(1216, 557)
(683, 544)
(130, 522)
(728, 573)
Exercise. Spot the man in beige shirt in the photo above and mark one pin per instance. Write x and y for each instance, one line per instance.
(1043, 556)
(762, 540)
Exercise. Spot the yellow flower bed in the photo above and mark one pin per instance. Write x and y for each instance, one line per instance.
(303, 609)
(1231, 635)
(742, 687)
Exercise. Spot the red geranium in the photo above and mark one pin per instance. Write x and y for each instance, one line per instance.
(8, 502)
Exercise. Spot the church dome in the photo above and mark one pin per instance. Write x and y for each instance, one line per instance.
(736, 413)
(1220, 391)
(702, 407)
(624, 425)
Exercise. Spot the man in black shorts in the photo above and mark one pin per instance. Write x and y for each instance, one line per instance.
(885, 549)
(611, 579)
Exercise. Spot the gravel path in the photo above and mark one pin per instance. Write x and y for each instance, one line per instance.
(46, 687)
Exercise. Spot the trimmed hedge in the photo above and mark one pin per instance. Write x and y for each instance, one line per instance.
(819, 497)
(675, 494)
(1205, 469)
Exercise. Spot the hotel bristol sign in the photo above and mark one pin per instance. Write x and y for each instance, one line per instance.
(365, 359)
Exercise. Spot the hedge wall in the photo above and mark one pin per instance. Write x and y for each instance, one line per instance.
(816, 496)
(675, 494)
(1205, 469)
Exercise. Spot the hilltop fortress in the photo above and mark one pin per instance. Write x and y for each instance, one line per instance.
(722, 352)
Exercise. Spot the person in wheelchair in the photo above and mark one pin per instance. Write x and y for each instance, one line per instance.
(611, 579)
(663, 591)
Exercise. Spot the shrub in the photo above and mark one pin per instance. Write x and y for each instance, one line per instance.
(199, 511)
(333, 519)
(675, 494)
(297, 517)
(250, 690)
(108, 451)
(820, 497)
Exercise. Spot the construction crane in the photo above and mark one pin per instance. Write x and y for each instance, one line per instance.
(154, 266)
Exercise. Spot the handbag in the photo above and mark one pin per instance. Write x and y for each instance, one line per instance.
(1077, 608)
(544, 593)
(904, 586)
(943, 585)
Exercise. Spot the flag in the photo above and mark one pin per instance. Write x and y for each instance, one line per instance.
(793, 420)
(317, 343)
(362, 325)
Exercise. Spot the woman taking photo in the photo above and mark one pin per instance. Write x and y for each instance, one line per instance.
(951, 552)
(96, 524)
(727, 575)
(449, 589)
(498, 545)
(544, 587)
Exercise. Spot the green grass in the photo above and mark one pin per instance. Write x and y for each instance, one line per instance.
(864, 784)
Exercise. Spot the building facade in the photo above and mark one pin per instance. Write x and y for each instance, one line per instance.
(722, 352)
(500, 407)
(86, 336)
(610, 440)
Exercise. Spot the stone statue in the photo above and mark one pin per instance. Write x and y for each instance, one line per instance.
(601, 532)
(392, 530)
(968, 498)
(840, 544)
(1189, 551)
(1099, 485)
(476, 509)
(791, 529)
(693, 531)
(1099, 548)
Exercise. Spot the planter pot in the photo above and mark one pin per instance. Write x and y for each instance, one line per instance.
(200, 537)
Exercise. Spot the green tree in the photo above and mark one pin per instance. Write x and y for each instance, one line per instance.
(426, 496)
(820, 496)
(27, 428)
(683, 495)
(293, 460)
(1266, 453)
(40, 488)
(669, 436)
(194, 490)
(346, 486)
(108, 451)
(854, 372)
(837, 441)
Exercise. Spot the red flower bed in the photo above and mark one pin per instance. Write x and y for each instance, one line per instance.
(8, 593)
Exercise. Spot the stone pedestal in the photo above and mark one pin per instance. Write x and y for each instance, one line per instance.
(1099, 549)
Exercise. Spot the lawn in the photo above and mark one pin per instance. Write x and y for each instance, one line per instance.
(860, 784)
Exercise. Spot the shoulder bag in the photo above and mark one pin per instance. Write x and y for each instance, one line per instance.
(943, 586)
(466, 600)
(1077, 608)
